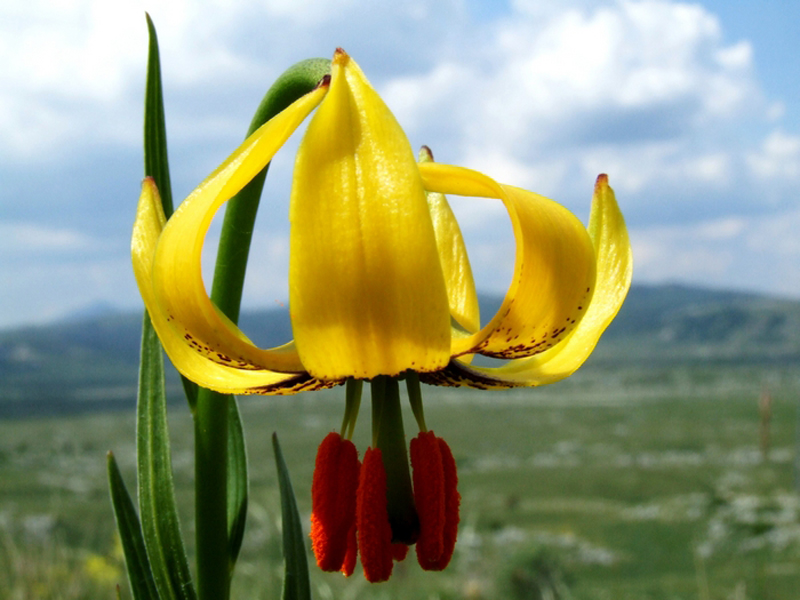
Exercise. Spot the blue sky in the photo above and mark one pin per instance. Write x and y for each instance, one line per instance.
(691, 108)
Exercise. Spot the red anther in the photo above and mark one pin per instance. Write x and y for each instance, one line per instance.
(372, 519)
(452, 501)
(349, 564)
(429, 497)
(437, 499)
(399, 551)
(333, 500)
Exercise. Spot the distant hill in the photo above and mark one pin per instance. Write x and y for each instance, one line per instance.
(91, 361)
(670, 323)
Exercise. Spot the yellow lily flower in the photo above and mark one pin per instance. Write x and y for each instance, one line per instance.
(380, 286)
(379, 280)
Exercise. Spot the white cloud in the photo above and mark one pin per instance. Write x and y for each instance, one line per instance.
(26, 238)
(541, 95)
(74, 71)
(759, 253)
(778, 157)
(39, 291)
(66, 65)
(638, 89)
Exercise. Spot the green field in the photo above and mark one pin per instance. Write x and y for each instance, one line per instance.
(617, 484)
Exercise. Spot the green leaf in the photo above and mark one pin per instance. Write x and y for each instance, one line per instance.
(160, 523)
(237, 481)
(140, 575)
(296, 585)
(156, 161)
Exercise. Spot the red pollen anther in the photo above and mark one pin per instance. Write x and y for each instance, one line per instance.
(399, 551)
(372, 519)
(333, 501)
(452, 502)
(350, 557)
(437, 500)
(426, 461)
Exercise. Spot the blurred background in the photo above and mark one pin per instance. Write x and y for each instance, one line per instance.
(667, 468)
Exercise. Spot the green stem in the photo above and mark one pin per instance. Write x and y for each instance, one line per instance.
(390, 437)
(415, 399)
(352, 404)
(211, 495)
(211, 410)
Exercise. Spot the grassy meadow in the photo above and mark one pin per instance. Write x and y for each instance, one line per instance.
(619, 484)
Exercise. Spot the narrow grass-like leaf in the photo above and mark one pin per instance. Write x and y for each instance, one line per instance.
(237, 481)
(296, 585)
(140, 576)
(160, 523)
(156, 161)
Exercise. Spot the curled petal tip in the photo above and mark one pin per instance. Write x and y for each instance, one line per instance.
(149, 186)
(325, 81)
(340, 56)
(425, 154)
(602, 181)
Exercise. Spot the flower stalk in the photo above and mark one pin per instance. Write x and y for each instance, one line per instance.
(211, 409)
(380, 290)
(390, 438)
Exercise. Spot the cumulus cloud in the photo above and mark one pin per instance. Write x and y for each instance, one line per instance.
(39, 291)
(778, 157)
(62, 61)
(74, 71)
(19, 238)
(640, 87)
(760, 253)
(542, 95)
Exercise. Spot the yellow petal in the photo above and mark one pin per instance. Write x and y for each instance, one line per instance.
(554, 269)
(222, 378)
(177, 277)
(614, 268)
(462, 298)
(366, 292)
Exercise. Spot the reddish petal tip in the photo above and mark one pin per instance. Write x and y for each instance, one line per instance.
(325, 81)
(340, 57)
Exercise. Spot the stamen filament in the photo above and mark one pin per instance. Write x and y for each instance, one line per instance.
(353, 389)
(391, 440)
(415, 399)
(378, 390)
